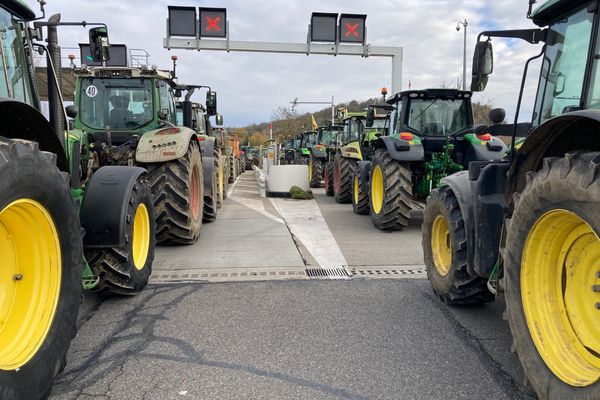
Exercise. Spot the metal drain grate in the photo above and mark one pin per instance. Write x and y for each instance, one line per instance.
(226, 275)
(400, 272)
(327, 273)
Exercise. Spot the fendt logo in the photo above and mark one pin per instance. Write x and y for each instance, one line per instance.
(213, 22)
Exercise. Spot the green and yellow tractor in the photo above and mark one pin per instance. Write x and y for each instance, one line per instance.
(320, 151)
(431, 135)
(530, 224)
(64, 226)
(353, 140)
(128, 115)
(195, 116)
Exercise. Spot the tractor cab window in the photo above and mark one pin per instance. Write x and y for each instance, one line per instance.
(437, 117)
(563, 68)
(352, 130)
(200, 121)
(15, 72)
(115, 103)
(377, 130)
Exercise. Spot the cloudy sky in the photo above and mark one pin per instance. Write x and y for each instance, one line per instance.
(251, 85)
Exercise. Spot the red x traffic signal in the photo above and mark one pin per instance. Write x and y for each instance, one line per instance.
(352, 28)
(213, 22)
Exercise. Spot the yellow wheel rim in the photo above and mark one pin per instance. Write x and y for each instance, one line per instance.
(220, 177)
(310, 168)
(141, 237)
(30, 276)
(559, 274)
(440, 245)
(356, 189)
(377, 189)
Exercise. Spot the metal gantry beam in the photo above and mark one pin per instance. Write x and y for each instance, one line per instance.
(394, 53)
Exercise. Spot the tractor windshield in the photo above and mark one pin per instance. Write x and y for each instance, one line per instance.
(15, 77)
(436, 117)
(116, 103)
(563, 69)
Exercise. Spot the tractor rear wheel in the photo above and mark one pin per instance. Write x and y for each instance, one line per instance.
(315, 172)
(553, 277)
(125, 270)
(209, 213)
(42, 261)
(445, 252)
(360, 199)
(178, 192)
(231, 166)
(329, 178)
(343, 168)
(390, 192)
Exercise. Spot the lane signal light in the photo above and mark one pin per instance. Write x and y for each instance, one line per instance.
(352, 28)
(213, 22)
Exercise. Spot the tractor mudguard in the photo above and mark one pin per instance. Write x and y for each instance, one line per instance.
(400, 150)
(22, 121)
(208, 166)
(481, 150)
(480, 195)
(351, 150)
(164, 144)
(104, 205)
(207, 145)
(316, 153)
(364, 174)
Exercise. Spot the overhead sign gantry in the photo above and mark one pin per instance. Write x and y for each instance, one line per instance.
(207, 28)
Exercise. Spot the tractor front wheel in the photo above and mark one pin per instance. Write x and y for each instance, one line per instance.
(329, 178)
(445, 252)
(390, 192)
(553, 277)
(360, 199)
(315, 172)
(42, 260)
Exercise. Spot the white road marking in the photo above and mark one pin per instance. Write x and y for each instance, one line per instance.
(307, 224)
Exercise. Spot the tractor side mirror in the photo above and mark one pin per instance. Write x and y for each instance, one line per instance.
(99, 45)
(219, 120)
(178, 93)
(497, 115)
(483, 65)
(370, 119)
(211, 102)
(71, 111)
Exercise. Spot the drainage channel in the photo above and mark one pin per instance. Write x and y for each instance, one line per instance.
(214, 275)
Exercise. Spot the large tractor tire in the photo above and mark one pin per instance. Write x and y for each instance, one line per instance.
(552, 277)
(178, 193)
(343, 168)
(125, 270)
(231, 166)
(315, 172)
(329, 178)
(41, 261)
(445, 252)
(390, 192)
(360, 199)
(209, 213)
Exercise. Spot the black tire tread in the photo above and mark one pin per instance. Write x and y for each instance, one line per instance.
(317, 173)
(346, 166)
(361, 207)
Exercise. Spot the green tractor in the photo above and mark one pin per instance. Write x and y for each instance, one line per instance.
(530, 224)
(307, 140)
(195, 116)
(325, 140)
(353, 140)
(249, 157)
(431, 135)
(128, 117)
(56, 214)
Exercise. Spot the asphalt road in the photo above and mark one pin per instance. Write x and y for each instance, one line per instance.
(313, 339)
(275, 333)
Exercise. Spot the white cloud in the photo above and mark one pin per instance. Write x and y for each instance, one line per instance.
(251, 85)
